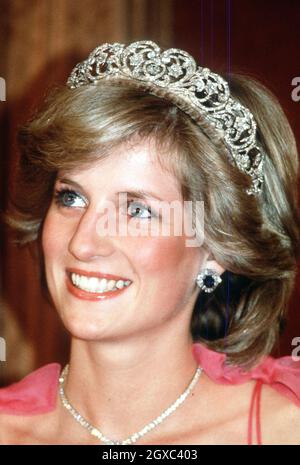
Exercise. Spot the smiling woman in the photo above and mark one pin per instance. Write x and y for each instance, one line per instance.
(159, 328)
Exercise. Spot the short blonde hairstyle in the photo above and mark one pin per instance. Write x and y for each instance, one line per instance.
(255, 239)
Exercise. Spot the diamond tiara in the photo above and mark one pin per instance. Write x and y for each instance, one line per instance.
(198, 92)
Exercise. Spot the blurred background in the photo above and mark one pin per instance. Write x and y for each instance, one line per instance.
(41, 41)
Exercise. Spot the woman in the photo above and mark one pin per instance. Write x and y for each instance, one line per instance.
(170, 337)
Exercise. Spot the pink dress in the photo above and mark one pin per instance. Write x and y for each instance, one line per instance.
(37, 392)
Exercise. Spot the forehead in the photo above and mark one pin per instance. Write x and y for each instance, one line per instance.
(130, 165)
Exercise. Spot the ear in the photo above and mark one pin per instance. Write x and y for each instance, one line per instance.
(212, 264)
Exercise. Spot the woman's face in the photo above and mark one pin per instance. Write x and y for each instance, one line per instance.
(154, 274)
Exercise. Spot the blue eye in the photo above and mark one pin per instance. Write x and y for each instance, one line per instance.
(139, 210)
(67, 197)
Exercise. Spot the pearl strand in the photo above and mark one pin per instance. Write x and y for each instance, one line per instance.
(135, 436)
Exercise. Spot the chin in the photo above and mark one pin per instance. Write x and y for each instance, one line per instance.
(80, 327)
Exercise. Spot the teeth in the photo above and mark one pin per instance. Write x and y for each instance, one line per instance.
(84, 282)
(111, 284)
(94, 284)
(102, 285)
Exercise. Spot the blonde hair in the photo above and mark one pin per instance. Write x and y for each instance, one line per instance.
(255, 239)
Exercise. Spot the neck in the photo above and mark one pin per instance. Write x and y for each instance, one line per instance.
(120, 386)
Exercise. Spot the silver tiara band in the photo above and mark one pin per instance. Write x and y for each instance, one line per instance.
(198, 91)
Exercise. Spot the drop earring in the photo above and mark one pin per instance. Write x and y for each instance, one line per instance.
(208, 280)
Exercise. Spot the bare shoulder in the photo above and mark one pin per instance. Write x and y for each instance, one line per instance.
(25, 429)
(11, 427)
(221, 417)
(42, 429)
(280, 418)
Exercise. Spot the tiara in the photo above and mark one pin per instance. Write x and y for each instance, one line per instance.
(198, 91)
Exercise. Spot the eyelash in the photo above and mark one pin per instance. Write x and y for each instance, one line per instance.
(59, 195)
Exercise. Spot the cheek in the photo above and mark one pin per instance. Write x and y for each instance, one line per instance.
(165, 268)
(161, 254)
(52, 242)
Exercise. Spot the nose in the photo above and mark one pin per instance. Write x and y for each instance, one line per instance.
(88, 240)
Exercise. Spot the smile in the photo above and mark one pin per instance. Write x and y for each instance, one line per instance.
(90, 287)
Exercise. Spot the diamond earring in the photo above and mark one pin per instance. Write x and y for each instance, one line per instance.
(208, 280)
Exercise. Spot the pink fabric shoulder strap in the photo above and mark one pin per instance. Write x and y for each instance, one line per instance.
(255, 398)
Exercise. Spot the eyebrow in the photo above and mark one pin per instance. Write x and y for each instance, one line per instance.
(137, 193)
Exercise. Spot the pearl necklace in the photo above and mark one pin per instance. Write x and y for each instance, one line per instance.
(134, 437)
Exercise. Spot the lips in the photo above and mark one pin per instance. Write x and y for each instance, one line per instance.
(90, 274)
(92, 296)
